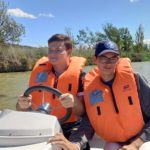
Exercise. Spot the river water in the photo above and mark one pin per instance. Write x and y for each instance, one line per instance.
(14, 84)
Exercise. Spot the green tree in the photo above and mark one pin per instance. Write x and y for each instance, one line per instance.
(69, 33)
(100, 36)
(112, 33)
(139, 37)
(10, 31)
(89, 38)
(126, 41)
(82, 37)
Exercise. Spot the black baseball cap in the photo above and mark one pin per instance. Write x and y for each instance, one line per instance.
(106, 46)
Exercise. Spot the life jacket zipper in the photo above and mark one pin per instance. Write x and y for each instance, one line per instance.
(114, 101)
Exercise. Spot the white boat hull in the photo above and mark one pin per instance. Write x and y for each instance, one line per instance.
(31, 131)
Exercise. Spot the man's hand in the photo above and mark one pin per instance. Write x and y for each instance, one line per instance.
(135, 145)
(62, 142)
(67, 100)
(24, 103)
(129, 147)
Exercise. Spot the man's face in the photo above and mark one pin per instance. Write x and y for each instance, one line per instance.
(107, 63)
(57, 53)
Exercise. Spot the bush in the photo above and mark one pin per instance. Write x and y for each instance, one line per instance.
(17, 58)
(86, 53)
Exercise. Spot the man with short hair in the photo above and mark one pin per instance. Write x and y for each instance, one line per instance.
(117, 103)
(64, 72)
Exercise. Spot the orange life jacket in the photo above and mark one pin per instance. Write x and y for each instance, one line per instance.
(107, 123)
(67, 82)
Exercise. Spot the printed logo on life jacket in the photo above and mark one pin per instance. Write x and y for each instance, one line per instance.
(96, 97)
(126, 87)
(41, 77)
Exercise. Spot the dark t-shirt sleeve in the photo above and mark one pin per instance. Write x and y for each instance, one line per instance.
(80, 87)
(144, 96)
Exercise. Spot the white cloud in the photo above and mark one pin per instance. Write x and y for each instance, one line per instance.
(132, 1)
(17, 12)
(146, 41)
(46, 15)
(20, 13)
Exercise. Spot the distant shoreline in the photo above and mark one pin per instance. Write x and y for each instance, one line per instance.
(15, 58)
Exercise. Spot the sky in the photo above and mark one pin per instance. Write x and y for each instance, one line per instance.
(43, 18)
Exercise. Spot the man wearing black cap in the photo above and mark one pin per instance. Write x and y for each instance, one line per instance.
(117, 103)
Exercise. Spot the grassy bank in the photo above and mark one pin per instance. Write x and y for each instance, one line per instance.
(22, 58)
(16, 58)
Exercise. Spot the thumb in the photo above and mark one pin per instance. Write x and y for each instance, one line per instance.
(63, 96)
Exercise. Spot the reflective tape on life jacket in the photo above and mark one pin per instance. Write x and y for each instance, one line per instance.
(67, 82)
(107, 123)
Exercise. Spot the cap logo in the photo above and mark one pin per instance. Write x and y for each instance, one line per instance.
(110, 45)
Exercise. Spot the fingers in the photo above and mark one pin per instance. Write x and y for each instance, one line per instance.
(58, 137)
(67, 100)
(21, 97)
(64, 96)
(62, 142)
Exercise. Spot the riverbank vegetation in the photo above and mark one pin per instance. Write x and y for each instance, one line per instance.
(14, 57)
(22, 58)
